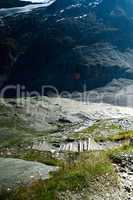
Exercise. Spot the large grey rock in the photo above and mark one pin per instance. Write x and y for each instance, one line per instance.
(17, 171)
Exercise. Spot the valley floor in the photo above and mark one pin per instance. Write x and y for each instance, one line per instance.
(54, 148)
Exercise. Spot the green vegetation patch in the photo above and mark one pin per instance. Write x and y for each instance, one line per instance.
(43, 157)
(114, 153)
(97, 130)
(121, 136)
(15, 136)
(74, 175)
(14, 131)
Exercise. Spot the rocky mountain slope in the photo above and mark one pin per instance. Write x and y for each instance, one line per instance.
(63, 132)
(82, 45)
(68, 44)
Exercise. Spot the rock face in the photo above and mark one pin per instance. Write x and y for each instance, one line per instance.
(46, 129)
(125, 168)
(16, 171)
(72, 43)
(13, 3)
(21, 3)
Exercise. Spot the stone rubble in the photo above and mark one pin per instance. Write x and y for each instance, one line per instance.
(125, 171)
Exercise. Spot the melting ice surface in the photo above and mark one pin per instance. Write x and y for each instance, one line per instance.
(25, 9)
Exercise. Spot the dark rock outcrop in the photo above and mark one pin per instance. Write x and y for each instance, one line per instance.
(12, 3)
(71, 44)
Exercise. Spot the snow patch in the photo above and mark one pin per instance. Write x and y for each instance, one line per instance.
(25, 9)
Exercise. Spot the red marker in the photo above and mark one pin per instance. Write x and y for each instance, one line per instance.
(76, 76)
